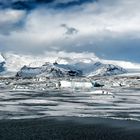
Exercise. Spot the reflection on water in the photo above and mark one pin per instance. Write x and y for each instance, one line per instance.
(124, 104)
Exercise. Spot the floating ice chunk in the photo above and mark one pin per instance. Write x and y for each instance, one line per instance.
(75, 84)
(102, 92)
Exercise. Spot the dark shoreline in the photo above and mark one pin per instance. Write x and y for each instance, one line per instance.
(69, 128)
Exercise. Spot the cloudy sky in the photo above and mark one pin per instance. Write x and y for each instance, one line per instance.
(108, 28)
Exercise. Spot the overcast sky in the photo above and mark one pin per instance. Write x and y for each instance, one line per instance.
(108, 28)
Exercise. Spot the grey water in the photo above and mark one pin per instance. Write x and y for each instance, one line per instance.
(122, 104)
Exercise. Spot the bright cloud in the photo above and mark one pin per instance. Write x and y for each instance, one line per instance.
(107, 28)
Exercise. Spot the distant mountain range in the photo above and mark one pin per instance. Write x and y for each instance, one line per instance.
(67, 70)
(73, 67)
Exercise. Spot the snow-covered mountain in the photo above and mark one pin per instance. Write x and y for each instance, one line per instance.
(2, 68)
(77, 69)
(107, 70)
(49, 70)
(2, 64)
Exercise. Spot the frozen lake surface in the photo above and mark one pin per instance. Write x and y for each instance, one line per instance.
(118, 104)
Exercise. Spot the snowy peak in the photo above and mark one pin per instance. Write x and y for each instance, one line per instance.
(106, 70)
(2, 63)
(2, 68)
(2, 59)
(48, 70)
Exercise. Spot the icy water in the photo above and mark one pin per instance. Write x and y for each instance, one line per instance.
(122, 104)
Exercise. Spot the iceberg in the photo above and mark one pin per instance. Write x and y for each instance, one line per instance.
(75, 84)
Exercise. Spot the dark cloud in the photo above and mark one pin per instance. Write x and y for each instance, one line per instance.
(69, 30)
(23, 5)
(11, 20)
(31, 4)
(71, 3)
